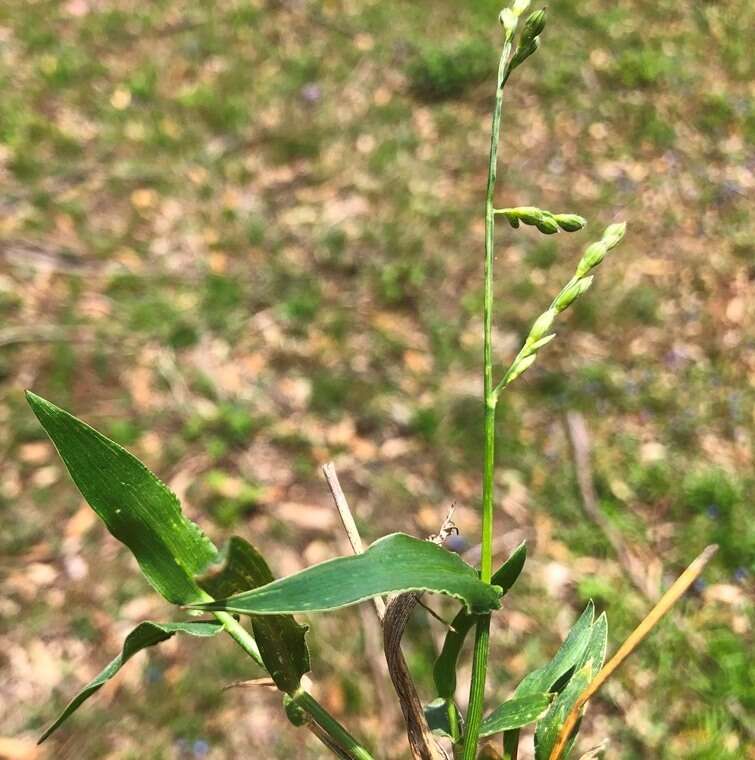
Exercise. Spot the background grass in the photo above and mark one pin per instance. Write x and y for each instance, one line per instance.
(243, 238)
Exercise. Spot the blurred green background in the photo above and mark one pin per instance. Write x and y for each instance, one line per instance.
(243, 238)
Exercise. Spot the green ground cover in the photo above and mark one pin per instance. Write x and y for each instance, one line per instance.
(243, 238)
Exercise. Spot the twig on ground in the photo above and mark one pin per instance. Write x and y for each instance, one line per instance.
(579, 439)
(42, 334)
(263, 682)
(370, 632)
(347, 518)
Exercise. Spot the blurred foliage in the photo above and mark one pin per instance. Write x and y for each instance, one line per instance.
(243, 238)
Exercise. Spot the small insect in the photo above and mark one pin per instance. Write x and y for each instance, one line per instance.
(447, 529)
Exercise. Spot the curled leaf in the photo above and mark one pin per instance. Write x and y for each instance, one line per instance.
(421, 741)
(145, 635)
(281, 640)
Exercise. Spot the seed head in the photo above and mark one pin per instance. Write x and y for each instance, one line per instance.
(614, 234)
(533, 26)
(542, 342)
(520, 366)
(524, 51)
(508, 20)
(547, 224)
(542, 325)
(520, 6)
(593, 255)
(572, 293)
(527, 214)
(570, 222)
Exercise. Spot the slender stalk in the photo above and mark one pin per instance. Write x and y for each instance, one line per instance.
(328, 723)
(482, 634)
(240, 635)
(453, 721)
(334, 730)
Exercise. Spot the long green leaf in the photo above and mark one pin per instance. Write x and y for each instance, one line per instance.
(515, 713)
(145, 635)
(595, 651)
(281, 640)
(444, 670)
(568, 656)
(547, 729)
(138, 509)
(394, 564)
(589, 664)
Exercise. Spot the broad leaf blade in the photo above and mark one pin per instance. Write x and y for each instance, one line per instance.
(567, 657)
(281, 640)
(138, 509)
(515, 713)
(394, 564)
(547, 729)
(145, 635)
(444, 670)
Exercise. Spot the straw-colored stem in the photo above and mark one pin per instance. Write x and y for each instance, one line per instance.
(665, 603)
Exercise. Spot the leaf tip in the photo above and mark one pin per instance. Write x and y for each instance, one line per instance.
(38, 404)
(32, 397)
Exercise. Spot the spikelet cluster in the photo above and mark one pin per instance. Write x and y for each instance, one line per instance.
(547, 222)
(579, 284)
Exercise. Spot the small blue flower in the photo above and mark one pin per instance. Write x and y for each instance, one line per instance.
(153, 674)
(200, 748)
(311, 92)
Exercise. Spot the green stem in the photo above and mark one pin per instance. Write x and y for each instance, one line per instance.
(453, 721)
(327, 722)
(482, 633)
(511, 744)
(306, 701)
(240, 635)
